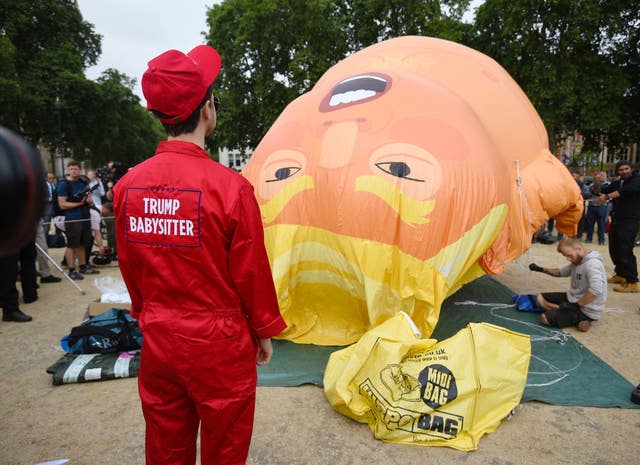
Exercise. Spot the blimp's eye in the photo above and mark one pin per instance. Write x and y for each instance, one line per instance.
(283, 173)
(399, 169)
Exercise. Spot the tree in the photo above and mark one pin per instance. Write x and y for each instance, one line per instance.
(622, 36)
(272, 52)
(275, 50)
(123, 130)
(9, 85)
(566, 56)
(45, 46)
(46, 43)
(371, 21)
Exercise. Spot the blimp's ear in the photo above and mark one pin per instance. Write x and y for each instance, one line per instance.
(496, 256)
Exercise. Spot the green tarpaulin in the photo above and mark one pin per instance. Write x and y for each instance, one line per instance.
(562, 371)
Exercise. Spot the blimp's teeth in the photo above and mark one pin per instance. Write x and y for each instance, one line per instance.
(351, 96)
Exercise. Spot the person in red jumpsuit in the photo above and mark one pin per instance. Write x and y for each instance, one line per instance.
(191, 251)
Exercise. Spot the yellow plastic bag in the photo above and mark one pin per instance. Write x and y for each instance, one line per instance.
(418, 391)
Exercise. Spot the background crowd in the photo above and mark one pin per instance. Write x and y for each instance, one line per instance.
(78, 215)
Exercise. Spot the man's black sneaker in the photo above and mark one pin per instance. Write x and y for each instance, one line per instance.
(635, 395)
(50, 279)
(16, 315)
(88, 270)
(73, 274)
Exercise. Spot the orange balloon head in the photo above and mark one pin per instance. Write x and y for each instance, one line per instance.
(383, 189)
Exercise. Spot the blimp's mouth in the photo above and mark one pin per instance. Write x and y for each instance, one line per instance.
(356, 90)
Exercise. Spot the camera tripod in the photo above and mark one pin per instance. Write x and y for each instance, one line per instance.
(82, 291)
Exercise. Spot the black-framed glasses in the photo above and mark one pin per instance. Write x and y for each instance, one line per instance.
(216, 103)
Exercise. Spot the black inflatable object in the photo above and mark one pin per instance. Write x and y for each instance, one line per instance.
(22, 191)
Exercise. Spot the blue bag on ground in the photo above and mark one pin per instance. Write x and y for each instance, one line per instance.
(111, 331)
(527, 303)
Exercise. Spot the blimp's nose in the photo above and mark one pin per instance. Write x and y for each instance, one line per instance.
(338, 144)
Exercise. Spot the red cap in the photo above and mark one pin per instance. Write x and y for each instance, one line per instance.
(175, 83)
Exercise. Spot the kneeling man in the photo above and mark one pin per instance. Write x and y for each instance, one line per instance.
(585, 299)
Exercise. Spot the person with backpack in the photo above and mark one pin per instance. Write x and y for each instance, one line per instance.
(74, 200)
(191, 252)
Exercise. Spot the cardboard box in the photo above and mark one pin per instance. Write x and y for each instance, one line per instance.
(96, 308)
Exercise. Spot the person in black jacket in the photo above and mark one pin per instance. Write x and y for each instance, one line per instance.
(625, 222)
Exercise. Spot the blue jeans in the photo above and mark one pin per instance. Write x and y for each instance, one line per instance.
(596, 214)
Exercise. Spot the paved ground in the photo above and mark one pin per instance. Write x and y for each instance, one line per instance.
(101, 423)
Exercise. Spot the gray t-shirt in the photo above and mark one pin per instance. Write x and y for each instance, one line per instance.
(590, 276)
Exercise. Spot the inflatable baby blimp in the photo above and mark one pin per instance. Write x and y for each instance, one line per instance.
(411, 168)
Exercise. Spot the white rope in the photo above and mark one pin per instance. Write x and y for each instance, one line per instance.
(78, 221)
(551, 334)
(526, 233)
(614, 310)
(545, 334)
(523, 207)
(480, 304)
(73, 221)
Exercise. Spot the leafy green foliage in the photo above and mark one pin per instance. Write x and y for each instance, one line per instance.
(45, 46)
(577, 60)
(275, 50)
(44, 42)
(573, 58)
(272, 52)
(371, 21)
(125, 130)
